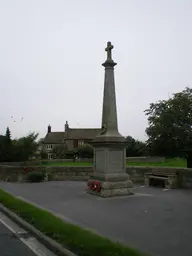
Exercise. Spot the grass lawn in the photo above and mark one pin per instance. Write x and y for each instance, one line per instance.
(175, 162)
(76, 239)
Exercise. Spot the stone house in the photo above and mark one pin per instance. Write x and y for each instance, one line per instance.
(71, 137)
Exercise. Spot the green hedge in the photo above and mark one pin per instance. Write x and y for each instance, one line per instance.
(76, 239)
(36, 176)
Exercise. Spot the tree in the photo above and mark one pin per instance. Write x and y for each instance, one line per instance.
(40, 141)
(3, 152)
(18, 149)
(5, 146)
(60, 151)
(8, 144)
(8, 134)
(85, 151)
(43, 154)
(25, 147)
(135, 147)
(170, 126)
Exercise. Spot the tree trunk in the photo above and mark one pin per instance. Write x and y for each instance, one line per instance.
(189, 161)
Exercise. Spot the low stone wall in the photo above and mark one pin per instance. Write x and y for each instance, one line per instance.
(21, 164)
(10, 171)
(81, 160)
(70, 173)
(137, 174)
(18, 173)
(144, 159)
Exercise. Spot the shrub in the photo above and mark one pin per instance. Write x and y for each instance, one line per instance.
(43, 154)
(36, 176)
(85, 151)
(44, 162)
(70, 154)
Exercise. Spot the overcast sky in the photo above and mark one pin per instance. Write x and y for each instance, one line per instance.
(51, 53)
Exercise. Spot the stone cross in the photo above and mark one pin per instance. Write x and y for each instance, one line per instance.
(109, 145)
(108, 50)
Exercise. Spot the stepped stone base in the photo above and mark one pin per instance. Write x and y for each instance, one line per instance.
(111, 189)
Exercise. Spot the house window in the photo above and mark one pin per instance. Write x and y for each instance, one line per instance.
(80, 143)
(75, 143)
(50, 156)
(49, 146)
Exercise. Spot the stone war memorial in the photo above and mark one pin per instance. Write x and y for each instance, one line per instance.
(109, 178)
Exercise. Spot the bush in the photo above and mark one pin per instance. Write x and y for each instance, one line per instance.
(43, 154)
(85, 151)
(70, 154)
(36, 176)
(59, 151)
(135, 148)
(44, 162)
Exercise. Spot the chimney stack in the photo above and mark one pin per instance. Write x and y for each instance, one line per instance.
(66, 126)
(49, 128)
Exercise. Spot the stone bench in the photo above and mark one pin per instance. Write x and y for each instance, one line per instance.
(170, 178)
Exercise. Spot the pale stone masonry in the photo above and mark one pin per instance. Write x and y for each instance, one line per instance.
(70, 137)
(109, 145)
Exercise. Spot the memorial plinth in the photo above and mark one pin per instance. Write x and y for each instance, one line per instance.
(110, 177)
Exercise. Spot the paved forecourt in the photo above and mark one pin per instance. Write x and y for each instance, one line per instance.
(153, 220)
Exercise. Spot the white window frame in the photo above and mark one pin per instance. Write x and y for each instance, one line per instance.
(49, 146)
(80, 143)
(50, 156)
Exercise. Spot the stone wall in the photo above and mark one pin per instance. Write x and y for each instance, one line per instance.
(69, 144)
(83, 160)
(143, 159)
(27, 163)
(10, 171)
(137, 174)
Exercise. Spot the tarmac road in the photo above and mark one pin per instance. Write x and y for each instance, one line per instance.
(11, 244)
(156, 221)
(15, 241)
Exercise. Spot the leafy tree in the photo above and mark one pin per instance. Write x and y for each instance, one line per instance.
(40, 141)
(60, 151)
(170, 126)
(18, 149)
(43, 154)
(135, 147)
(25, 147)
(70, 154)
(84, 151)
(5, 146)
(8, 145)
(8, 134)
(3, 152)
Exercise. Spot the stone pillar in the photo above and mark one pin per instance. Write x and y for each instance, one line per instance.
(110, 177)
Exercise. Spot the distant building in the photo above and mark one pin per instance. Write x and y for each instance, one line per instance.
(71, 137)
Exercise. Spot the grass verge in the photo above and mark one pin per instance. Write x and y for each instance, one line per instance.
(175, 162)
(75, 239)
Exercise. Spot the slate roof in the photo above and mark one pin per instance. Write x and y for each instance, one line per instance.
(58, 137)
(54, 137)
(82, 133)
